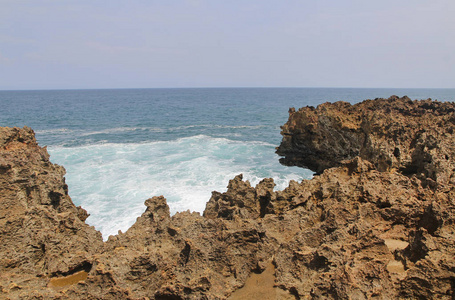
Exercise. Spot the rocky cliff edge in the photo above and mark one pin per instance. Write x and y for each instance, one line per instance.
(376, 223)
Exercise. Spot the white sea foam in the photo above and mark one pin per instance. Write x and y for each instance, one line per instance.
(119, 130)
(112, 181)
(53, 131)
(126, 129)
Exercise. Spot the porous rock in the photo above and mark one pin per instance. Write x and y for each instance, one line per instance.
(371, 225)
(42, 233)
(415, 137)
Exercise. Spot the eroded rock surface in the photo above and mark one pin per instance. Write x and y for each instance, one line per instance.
(42, 234)
(376, 223)
(415, 137)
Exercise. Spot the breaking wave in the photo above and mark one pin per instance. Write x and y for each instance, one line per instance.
(112, 181)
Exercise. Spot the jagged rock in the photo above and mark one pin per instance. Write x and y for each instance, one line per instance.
(375, 222)
(415, 137)
(42, 233)
(241, 200)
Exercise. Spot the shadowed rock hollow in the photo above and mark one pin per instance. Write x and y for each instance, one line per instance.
(376, 223)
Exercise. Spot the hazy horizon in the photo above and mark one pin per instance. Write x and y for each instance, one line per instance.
(53, 45)
(222, 87)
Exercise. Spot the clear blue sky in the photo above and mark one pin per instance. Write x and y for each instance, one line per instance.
(196, 43)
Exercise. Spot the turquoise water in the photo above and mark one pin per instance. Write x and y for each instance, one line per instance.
(123, 146)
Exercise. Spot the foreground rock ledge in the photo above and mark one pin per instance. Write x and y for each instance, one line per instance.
(359, 230)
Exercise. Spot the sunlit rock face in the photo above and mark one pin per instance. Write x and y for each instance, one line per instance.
(414, 137)
(377, 222)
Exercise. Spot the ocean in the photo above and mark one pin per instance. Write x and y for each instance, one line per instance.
(122, 146)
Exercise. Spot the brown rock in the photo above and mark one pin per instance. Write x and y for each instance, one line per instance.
(415, 137)
(42, 234)
(375, 223)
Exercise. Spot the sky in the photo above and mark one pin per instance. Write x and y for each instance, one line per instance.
(251, 43)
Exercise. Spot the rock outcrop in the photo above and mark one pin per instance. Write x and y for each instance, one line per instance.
(376, 223)
(415, 137)
(43, 236)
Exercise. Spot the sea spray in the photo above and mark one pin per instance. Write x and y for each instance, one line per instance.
(112, 181)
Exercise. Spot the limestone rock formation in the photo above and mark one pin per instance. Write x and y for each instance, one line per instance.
(42, 234)
(415, 137)
(375, 223)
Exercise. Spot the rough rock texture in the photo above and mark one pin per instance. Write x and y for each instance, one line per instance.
(42, 234)
(415, 137)
(370, 226)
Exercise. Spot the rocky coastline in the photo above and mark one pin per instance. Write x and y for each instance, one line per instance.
(376, 222)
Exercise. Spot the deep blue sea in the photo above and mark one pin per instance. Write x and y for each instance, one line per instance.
(122, 146)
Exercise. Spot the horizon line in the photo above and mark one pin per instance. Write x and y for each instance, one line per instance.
(219, 87)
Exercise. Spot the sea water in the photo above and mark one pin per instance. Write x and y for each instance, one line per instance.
(122, 146)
